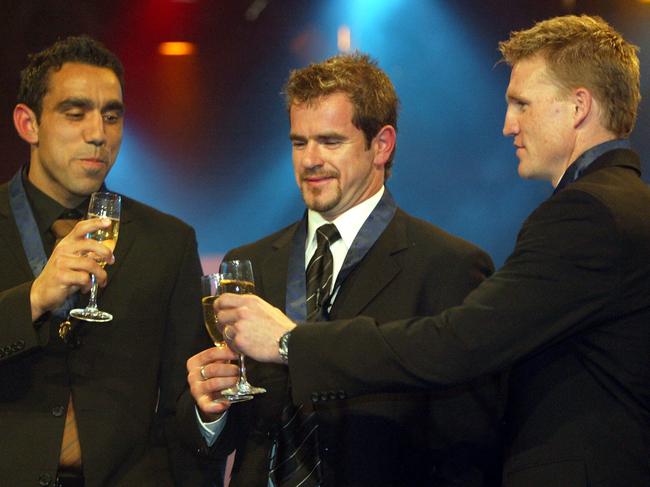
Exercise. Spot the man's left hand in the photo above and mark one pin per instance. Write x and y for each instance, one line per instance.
(252, 326)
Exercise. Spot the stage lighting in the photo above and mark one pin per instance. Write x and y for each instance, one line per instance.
(343, 39)
(176, 48)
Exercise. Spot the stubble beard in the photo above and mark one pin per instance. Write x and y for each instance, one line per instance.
(316, 199)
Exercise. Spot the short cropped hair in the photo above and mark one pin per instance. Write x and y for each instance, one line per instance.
(35, 77)
(357, 75)
(585, 51)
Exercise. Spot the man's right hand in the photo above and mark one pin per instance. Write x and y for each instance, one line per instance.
(69, 267)
(209, 373)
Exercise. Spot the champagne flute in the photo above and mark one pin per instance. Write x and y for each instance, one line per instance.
(237, 278)
(104, 205)
(210, 290)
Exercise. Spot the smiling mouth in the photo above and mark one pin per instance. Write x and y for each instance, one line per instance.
(317, 178)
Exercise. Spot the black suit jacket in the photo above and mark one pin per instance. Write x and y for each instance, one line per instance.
(381, 439)
(569, 310)
(124, 377)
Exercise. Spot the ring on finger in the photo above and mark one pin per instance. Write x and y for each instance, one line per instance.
(202, 372)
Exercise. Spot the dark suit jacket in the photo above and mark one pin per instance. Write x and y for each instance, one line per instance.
(570, 310)
(381, 439)
(124, 377)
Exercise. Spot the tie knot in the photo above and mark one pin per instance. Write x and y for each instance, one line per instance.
(329, 232)
(65, 223)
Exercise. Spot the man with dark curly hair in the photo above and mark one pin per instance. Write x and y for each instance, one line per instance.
(85, 404)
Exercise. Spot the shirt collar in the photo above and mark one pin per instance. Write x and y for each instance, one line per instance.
(577, 167)
(348, 224)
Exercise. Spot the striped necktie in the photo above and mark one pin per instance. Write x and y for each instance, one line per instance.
(319, 273)
(296, 461)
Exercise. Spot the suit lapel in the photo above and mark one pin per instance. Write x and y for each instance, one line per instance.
(125, 239)
(9, 236)
(275, 268)
(378, 268)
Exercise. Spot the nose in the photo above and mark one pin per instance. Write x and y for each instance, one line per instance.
(311, 156)
(510, 124)
(94, 132)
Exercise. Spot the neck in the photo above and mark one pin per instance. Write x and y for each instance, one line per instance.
(39, 179)
(584, 141)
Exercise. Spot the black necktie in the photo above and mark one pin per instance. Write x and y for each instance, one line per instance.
(296, 460)
(319, 273)
(64, 224)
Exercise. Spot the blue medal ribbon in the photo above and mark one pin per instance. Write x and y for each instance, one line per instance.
(31, 237)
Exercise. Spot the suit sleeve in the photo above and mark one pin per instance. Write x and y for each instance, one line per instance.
(559, 279)
(186, 422)
(18, 334)
(185, 336)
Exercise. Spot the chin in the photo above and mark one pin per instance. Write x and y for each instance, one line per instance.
(320, 205)
(88, 189)
(521, 170)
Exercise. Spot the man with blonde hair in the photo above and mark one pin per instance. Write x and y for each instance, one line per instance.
(569, 311)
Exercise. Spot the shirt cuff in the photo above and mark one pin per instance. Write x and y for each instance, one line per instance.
(211, 431)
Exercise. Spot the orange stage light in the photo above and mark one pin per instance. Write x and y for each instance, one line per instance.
(176, 48)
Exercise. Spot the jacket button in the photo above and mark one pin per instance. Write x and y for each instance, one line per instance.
(314, 397)
(323, 396)
(44, 479)
(58, 411)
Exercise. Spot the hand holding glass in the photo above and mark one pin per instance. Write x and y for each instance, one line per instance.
(237, 278)
(102, 205)
(210, 291)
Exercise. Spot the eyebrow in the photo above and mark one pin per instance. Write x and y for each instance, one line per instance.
(87, 104)
(514, 98)
(319, 137)
(293, 136)
(114, 106)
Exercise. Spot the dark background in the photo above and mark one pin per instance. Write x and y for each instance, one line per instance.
(206, 135)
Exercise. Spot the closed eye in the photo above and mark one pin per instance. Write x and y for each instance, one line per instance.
(74, 114)
(112, 117)
(331, 141)
(298, 143)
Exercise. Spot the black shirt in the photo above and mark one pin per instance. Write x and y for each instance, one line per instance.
(46, 211)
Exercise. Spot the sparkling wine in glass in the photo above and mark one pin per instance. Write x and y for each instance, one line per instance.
(210, 290)
(237, 278)
(102, 205)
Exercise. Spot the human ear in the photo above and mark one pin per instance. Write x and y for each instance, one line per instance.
(384, 144)
(26, 123)
(583, 105)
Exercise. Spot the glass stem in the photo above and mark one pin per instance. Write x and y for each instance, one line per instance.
(242, 370)
(92, 302)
